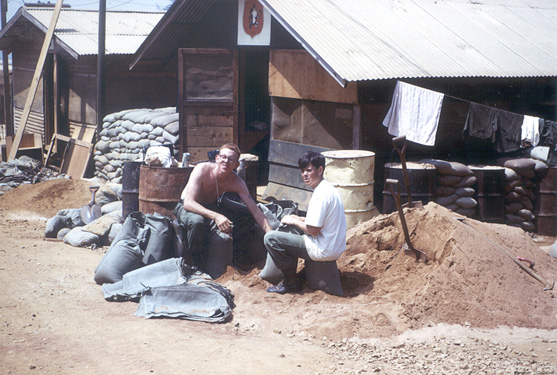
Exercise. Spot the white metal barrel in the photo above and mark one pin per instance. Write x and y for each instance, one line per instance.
(351, 172)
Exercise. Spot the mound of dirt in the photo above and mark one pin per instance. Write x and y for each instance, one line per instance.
(468, 278)
(48, 197)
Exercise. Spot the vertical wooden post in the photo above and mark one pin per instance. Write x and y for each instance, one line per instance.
(35, 81)
(8, 120)
(357, 127)
(100, 68)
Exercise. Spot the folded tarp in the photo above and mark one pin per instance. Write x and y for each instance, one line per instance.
(185, 301)
(173, 289)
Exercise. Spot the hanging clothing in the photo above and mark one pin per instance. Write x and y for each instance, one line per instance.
(510, 130)
(548, 137)
(530, 131)
(414, 113)
(482, 122)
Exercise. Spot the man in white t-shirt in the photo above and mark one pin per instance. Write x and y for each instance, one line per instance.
(324, 227)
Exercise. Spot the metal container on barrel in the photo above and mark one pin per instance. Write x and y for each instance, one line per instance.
(130, 187)
(160, 188)
(422, 179)
(351, 172)
(490, 192)
(545, 209)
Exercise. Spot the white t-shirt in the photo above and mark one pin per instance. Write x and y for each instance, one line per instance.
(326, 210)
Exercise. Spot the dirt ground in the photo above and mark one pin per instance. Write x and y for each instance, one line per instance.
(469, 310)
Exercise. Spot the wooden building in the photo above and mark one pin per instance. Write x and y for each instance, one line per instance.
(66, 99)
(325, 76)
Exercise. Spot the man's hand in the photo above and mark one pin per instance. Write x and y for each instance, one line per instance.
(224, 225)
(300, 222)
(292, 220)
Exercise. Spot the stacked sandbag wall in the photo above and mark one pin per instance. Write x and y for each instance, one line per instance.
(455, 183)
(521, 175)
(126, 134)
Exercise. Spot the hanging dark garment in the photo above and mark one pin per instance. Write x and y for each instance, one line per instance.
(509, 132)
(548, 137)
(481, 122)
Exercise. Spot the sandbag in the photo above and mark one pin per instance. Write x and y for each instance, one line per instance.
(445, 201)
(54, 225)
(159, 246)
(525, 214)
(522, 164)
(73, 216)
(528, 226)
(465, 191)
(448, 180)
(466, 181)
(62, 233)
(510, 174)
(445, 191)
(126, 251)
(514, 219)
(218, 255)
(513, 207)
(466, 202)
(323, 276)
(79, 238)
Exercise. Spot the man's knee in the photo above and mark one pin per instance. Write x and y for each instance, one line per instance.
(270, 239)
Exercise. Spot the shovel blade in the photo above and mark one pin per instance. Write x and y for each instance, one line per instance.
(415, 204)
(90, 213)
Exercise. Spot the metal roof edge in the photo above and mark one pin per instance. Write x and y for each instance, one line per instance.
(343, 82)
(159, 27)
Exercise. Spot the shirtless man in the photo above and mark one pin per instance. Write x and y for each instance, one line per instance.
(202, 198)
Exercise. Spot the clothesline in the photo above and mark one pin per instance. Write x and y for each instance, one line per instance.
(415, 113)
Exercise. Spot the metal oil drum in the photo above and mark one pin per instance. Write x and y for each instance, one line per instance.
(490, 192)
(160, 188)
(422, 178)
(545, 208)
(351, 172)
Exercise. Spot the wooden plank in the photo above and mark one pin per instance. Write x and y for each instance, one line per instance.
(286, 119)
(36, 78)
(76, 157)
(286, 175)
(209, 115)
(209, 136)
(327, 124)
(199, 154)
(281, 192)
(287, 153)
(296, 74)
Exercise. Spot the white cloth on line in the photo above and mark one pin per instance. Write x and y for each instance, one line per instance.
(414, 113)
(530, 131)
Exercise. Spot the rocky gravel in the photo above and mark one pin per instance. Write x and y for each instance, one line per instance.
(439, 356)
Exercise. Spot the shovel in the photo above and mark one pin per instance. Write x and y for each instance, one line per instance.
(91, 211)
(397, 142)
(420, 255)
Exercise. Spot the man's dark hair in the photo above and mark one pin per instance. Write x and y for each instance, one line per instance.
(315, 158)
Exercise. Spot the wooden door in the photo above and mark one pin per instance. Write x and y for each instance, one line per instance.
(208, 100)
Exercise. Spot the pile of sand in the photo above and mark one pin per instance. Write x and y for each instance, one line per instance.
(467, 279)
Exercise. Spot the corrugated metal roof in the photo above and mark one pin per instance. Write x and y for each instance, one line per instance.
(172, 29)
(384, 39)
(77, 30)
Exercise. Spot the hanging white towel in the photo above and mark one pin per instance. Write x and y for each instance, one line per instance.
(414, 113)
(530, 131)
